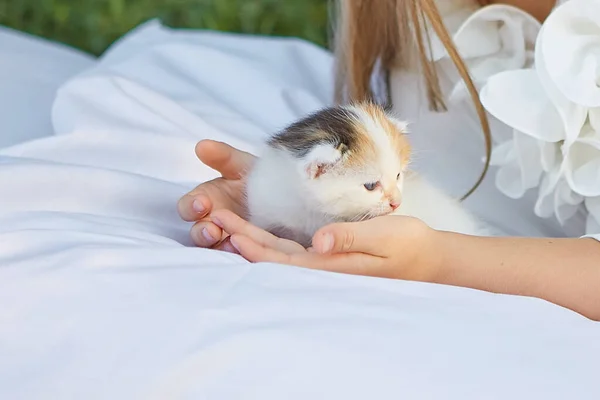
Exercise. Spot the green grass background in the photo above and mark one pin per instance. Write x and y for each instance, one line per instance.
(92, 25)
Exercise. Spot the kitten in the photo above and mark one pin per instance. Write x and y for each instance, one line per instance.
(343, 164)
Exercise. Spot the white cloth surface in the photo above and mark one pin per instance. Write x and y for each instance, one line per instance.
(537, 186)
(554, 113)
(449, 146)
(102, 299)
(31, 70)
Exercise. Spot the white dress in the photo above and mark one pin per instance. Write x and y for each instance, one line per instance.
(497, 43)
(102, 295)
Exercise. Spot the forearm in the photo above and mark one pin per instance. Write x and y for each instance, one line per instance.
(563, 271)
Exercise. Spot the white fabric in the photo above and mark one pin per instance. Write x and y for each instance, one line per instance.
(31, 70)
(554, 110)
(449, 147)
(497, 43)
(102, 299)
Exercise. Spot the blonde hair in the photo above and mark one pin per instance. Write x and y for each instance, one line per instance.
(374, 35)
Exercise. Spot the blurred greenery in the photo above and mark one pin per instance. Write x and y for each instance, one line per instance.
(92, 25)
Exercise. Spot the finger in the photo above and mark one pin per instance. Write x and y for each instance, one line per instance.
(229, 161)
(350, 263)
(217, 193)
(226, 246)
(253, 251)
(354, 263)
(206, 234)
(232, 224)
(193, 207)
(354, 237)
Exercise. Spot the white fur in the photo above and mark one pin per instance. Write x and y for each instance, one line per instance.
(278, 197)
(286, 198)
(438, 210)
(389, 162)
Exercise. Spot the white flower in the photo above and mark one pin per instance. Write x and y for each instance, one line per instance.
(492, 39)
(554, 110)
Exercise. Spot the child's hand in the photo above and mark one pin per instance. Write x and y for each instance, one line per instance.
(389, 247)
(226, 192)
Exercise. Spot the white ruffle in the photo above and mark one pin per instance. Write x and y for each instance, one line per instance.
(490, 40)
(554, 110)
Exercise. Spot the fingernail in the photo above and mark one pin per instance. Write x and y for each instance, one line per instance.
(198, 206)
(217, 222)
(230, 248)
(207, 235)
(326, 243)
(233, 241)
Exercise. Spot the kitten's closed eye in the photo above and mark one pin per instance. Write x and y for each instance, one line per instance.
(398, 177)
(371, 186)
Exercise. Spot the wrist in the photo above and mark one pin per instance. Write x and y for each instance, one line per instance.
(468, 261)
(433, 260)
(426, 262)
(446, 250)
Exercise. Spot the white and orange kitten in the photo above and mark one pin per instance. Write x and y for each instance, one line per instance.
(341, 164)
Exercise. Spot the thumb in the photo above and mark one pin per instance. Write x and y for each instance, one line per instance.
(230, 162)
(351, 237)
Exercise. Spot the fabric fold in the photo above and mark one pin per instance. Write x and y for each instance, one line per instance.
(556, 103)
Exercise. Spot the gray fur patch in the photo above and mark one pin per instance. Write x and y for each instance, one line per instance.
(332, 125)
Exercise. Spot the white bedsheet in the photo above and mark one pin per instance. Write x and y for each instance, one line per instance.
(102, 299)
(31, 70)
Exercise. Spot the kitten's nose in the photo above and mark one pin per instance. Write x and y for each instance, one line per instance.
(394, 205)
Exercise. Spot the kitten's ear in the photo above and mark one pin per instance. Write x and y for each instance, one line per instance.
(321, 159)
(401, 125)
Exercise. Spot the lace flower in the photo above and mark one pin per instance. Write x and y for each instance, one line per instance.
(554, 111)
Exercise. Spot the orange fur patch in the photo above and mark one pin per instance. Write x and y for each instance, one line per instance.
(366, 150)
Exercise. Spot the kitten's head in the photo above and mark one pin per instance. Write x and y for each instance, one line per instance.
(351, 160)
